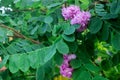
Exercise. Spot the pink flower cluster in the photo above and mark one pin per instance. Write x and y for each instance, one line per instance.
(76, 16)
(65, 68)
(70, 12)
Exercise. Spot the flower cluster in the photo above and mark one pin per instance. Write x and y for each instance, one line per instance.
(65, 68)
(76, 16)
(70, 12)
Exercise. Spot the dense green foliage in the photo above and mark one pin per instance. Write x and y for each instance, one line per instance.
(34, 36)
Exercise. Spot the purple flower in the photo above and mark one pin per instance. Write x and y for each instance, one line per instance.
(71, 56)
(81, 18)
(70, 12)
(65, 57)
(65, 68)
(76, 16)
(64, 65)
(67, 72)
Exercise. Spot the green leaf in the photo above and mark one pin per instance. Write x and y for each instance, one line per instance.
(69, 38)
(64, 25)
(42, 29)
(34, 29)
(76, 26)
(27, 49)
(85, 75)
(56, 30)
(95, 25)
(99, 78)
(23, 64)
(51, 51)
(40, 74)
(91, 67)
(53, 5)
(4, 61)
(24, 3)
(1, 78)
(2, 35)
(106, 64)
(70, 30)
(63, 28)
(115, 7)
(9, 33)
(99, 9)
(73, 46)
(110, 16)
(33, 58)
(75, 63)
(116, 41)
(45, 54)
(58, 58)
(116, 59)
(12, 63)
(85, 4)
(62, 47)
(6, 2)
(42, 55)
(82, 75)
(11, 49)
(49, 28)
(105, 31)
(48, 19)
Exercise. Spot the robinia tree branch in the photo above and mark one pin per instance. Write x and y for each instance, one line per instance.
(18, 34)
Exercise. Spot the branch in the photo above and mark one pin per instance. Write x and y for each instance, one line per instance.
(16, 33)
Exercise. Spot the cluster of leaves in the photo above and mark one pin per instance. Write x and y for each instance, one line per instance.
(34, 37)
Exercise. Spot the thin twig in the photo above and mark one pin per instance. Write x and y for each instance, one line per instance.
(18, 34)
